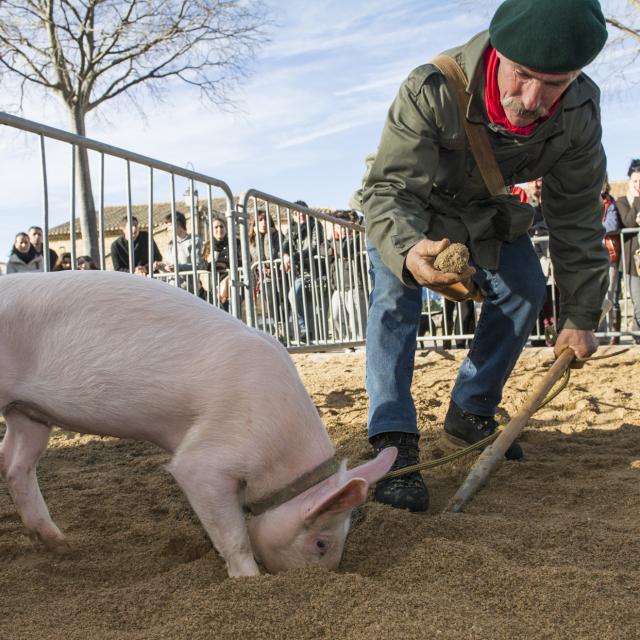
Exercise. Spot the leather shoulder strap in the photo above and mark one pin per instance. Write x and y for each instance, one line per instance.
(476, 133)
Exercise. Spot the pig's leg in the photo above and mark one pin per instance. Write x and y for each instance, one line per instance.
(24, 442)
(214, 497)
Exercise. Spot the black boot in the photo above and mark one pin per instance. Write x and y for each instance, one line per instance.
(468, 428)
(404, 492)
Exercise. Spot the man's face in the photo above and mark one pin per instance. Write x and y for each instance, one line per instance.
(35, 236)
(527, 95)
(634, 183)
(134, 230)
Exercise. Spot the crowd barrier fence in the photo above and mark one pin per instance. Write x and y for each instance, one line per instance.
(299, 274)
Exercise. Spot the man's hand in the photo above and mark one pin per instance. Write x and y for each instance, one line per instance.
(419, 263)
(286, 262)
(583, 342)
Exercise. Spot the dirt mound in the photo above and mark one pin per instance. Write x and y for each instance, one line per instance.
(550, 548)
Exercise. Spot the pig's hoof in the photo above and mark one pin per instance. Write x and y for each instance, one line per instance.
(57, 545)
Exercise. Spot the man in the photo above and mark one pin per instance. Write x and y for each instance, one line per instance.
(301, 254)
(424, 190)
(120, 249)
(187, 250)
(36, 237)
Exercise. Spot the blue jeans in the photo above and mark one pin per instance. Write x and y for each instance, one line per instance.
(296, 300)
(514, 292)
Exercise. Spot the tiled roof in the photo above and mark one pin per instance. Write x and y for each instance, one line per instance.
(113, 216)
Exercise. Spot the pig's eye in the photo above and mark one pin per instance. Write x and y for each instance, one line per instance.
(322, 546)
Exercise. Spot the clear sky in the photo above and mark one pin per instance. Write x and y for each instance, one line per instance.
(311, 110)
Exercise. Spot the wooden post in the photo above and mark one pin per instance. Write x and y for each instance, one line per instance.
(493, 455)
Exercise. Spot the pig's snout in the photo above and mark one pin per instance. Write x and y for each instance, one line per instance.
(310, 530)
(303, 547)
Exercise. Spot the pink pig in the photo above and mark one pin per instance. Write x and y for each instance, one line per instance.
(121, 331)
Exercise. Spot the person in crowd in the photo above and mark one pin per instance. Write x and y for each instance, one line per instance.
(612, 225)
(541, 117)
(23, 257)
(300, 251)
(63, 263)
(36, 236)
(188, 249)
(219, 257)
(548, 314)
(629, 210)
(87, 263)
(536, 198)
(265, 243)
(140, 239)
(348, 298)
(464, 321)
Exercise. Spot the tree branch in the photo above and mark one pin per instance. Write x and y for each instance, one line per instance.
(634, 33)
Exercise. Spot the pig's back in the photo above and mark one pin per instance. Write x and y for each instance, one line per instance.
(115, 349)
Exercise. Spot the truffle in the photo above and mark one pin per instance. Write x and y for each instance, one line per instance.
(454, 259)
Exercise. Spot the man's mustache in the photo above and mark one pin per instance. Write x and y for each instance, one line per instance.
(515, 106)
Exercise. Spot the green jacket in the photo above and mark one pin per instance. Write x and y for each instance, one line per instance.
(424, 182)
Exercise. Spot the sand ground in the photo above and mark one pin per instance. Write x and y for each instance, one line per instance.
(550, 548)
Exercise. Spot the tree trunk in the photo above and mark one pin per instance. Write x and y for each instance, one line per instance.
(85, 208)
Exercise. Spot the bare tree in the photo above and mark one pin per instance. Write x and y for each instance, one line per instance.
(90, 51)
(617, 69)
(627, 21)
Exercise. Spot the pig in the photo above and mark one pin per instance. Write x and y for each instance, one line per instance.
(159, 364)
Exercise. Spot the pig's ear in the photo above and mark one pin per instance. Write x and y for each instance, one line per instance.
(373, 470)
(348, 496)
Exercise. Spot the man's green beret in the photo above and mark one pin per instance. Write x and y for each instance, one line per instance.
(551, 36)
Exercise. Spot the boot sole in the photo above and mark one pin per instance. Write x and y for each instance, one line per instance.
(452, 444)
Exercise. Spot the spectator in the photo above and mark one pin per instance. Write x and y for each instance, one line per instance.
(629, 209)
(264, 248)
(264, 239)
(220, 259)
(86, 263)
(63, 263)
(348, 300)
(612, 226)
(23, 257)
(548, 313)
(465, 321)
(299, 254)
(188, 250)
(140, 239)
(536, 197)
(36, 236)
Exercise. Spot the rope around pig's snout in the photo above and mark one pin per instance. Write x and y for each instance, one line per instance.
(489, 439)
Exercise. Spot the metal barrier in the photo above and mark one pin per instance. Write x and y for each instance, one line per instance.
(45, 133)
(437, 328)
(307, 277)
(297, 273)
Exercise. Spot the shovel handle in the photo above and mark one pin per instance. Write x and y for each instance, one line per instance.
(493, 455)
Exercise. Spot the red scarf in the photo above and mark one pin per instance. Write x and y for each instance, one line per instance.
(492, 98)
